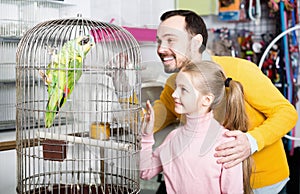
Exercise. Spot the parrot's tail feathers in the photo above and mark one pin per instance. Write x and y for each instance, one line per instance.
(63, 100)
(49, 119)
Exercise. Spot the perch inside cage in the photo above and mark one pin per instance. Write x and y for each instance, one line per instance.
(78, 108)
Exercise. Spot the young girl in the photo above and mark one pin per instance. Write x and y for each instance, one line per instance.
(186, 157)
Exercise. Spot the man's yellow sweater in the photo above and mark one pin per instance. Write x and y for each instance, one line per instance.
(271, 116)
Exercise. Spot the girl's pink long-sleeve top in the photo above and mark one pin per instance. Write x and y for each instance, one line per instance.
(187, 167)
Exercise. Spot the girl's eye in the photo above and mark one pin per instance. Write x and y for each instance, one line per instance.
(170, 40)
(184, 90)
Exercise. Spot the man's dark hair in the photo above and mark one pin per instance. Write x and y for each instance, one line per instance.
(194, 23)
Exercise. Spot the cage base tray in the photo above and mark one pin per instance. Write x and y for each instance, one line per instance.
(83, 189)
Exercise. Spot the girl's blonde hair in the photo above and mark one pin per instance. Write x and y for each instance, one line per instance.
(209, 78)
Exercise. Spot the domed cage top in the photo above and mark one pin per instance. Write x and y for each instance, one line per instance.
(78, 108)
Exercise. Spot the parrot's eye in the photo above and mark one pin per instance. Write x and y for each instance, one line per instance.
(84, 41)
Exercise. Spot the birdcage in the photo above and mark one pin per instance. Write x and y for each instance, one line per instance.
(78, 108)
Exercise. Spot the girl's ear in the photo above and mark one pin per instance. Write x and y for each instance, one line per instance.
(207, 100)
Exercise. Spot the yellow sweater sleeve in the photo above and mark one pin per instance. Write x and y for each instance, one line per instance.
(271, 115)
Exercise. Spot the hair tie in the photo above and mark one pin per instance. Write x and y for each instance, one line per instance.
(227, 81)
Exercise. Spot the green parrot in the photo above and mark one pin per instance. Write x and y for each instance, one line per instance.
(63, 73)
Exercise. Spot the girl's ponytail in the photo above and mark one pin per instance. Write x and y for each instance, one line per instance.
(235, 116)
(237, 119)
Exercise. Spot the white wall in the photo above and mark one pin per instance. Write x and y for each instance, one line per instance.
(137, 13)
(80, 7)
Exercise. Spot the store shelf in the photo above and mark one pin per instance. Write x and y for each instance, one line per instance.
(37, 1)
(16, 18)
(142, 34)
(7, 125)
(10, 39)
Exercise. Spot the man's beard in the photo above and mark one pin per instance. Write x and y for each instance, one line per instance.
(171, 70)
(178, 66)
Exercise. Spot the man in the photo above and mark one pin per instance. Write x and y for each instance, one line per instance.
(182, 35)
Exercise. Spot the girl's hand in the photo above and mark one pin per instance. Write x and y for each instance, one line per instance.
(148, 121)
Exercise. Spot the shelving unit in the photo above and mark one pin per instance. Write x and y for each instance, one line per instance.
(17, 17)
